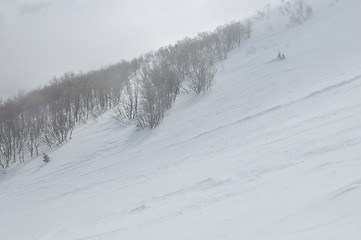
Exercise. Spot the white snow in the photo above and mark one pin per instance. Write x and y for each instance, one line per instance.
(272, 153)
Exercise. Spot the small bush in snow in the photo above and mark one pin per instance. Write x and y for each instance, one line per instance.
(46, 158)
(285, 7)
(300, 11)
(263, 13)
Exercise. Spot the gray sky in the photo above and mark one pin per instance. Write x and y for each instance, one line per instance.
(40, 39)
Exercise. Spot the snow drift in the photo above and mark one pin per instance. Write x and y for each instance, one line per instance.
(273, 152)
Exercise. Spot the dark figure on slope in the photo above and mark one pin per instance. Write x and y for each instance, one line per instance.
(281, 56)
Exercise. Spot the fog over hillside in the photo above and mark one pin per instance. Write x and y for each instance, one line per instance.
(41, 39)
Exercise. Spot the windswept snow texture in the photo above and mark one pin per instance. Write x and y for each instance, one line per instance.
(272, 153)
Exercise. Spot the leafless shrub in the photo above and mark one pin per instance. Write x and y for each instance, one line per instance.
(299, 13)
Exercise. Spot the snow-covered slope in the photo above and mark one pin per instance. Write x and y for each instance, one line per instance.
(272, 153)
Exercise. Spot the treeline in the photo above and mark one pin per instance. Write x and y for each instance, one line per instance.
(140, 90)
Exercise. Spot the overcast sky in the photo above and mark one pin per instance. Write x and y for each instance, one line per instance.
(40, 39)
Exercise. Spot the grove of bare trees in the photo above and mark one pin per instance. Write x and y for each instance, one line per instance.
(140, 90)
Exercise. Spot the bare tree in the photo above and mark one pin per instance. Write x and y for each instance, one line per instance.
(201, 74)
(299, 13)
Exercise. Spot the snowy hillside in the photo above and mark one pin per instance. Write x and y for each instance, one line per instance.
(272, 153)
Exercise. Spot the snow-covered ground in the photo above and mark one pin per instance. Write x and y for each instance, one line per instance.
(272, 153)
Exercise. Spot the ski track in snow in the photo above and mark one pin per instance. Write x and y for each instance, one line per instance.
(278, 107)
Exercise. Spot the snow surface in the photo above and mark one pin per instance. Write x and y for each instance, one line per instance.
(272, 153)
